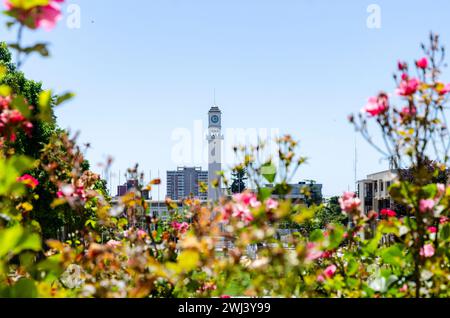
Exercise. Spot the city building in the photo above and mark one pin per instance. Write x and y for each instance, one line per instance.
(129, 185)
(160, 209)
(374, 191)
(306, 192)
(215, 139)
(185, 182)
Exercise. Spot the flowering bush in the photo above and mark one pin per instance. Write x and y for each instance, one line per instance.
(233, 247)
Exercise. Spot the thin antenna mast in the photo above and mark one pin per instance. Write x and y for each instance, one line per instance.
(356, 164)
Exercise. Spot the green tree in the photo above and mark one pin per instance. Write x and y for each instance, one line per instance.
(238, 177)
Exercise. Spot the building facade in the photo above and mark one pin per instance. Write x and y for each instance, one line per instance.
(128, 186)
(185, 182)
(215, 140)
(374, 191)
(303, 192)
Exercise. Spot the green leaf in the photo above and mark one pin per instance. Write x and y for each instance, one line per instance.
(269, 171)
(24, 288)
(3, 71)
(265, 193)
(372, 245)
(11, 169)
(21, 105)
(336, 236)
(430, 190)
(444, 233)
(316, 236)
(45, 105)
(352, 267)
(393, 255)
(64, 97)
(16, 239)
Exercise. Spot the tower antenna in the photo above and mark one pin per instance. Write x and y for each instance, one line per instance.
(356, 163)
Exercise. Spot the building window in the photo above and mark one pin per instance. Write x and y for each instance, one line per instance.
(375, 186)
(381, 185)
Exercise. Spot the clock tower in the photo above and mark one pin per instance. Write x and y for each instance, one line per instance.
(215, 139)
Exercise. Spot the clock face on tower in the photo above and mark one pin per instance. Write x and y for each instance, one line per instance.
(214, 119)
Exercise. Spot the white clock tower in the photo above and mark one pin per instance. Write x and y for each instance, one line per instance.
(215, 139)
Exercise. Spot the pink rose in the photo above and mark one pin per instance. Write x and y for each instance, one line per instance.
(404, 288)
(45, 16)
(427, 251)
(408, 87)
(313, 252)
(330, 270)
(141, 234)
(408, 111)
(320, 279)
(271, 204)
(388, 213)
(426, 205)
(377, 105)
(432, 229)
(422, 63)
(349, 203)
(181, 227)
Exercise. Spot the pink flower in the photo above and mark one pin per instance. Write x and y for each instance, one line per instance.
(440, 189)
(225, 296)
(29, 181)
(271, 204)
(404, 288)
(247, 199)
(388, 213)
(443, 220)
(376, 105)
(313, 252)
(141, 234)
(432, 229)
(402, 65)
(426, 205)
(408, 111)
(408, 87)
(254, 203)
(330, 270)
(422, 63)
(45, 16)
(242, 212)
(427, 251)
(4, 102)
(320, 279)
(181, 227)
(349, 203)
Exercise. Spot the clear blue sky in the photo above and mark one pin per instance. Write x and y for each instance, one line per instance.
(144, 68)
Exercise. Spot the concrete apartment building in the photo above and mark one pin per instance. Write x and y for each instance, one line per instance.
(184, 183)
(373, 191)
